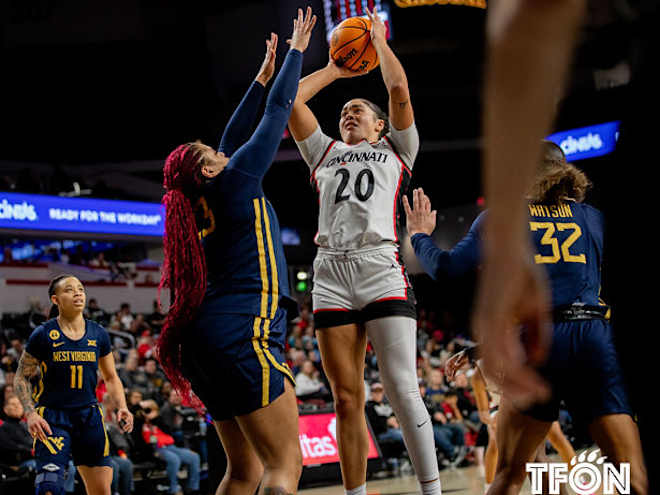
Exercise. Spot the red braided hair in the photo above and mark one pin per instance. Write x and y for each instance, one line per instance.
(184, 268)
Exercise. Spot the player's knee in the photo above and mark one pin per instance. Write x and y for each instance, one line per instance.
(50, 482)
(348, 401)
(246, 474)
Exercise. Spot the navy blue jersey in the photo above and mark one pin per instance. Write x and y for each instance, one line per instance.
(247, 271)
(68, 367)
(567, 238)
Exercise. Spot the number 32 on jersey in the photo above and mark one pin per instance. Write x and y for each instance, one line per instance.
(562, 252)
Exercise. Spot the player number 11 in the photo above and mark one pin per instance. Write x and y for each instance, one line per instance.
(76, 375)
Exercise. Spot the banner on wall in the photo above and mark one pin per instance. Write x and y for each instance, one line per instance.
(318, 439)
(82, 215)
(587, 142)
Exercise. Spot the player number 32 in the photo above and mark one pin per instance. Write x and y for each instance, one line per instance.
(558, 252)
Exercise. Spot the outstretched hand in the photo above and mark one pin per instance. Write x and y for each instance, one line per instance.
(268, 66)
(302, 30)
(420, 218)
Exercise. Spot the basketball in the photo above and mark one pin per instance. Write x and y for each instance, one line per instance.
(351, 47)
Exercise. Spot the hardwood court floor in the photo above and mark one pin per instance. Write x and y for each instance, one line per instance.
(462, 481)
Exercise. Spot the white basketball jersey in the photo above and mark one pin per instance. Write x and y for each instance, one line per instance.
(360, 186)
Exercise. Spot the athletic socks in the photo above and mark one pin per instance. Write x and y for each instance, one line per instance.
(360, 490)
(431, 488)
(486, 487)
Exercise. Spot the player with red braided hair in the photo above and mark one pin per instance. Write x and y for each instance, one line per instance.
(223, 337)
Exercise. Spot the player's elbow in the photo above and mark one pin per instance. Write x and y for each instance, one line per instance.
(399, 91)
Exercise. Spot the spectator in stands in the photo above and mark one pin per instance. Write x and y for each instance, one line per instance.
(134, 398)
(133, 377)
(155, 376)
(164, 394)
(99, 261)
(465, 400)
(152, 433)
(125, 317)
(156, 318)
(297, 359)
(434, 348)
(145, 345)
(384, 424)
(308, 384)
(15, 440)
(171, 417)
(8, 390)
(16, 349)
(139, 326)
(436, 390)
(2, 378)
(120, 448)
(94, 312)
(449, 437)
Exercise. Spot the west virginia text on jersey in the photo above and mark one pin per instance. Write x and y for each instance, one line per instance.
(68, 367)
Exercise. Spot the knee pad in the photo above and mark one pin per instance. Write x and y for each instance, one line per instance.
(50, 480)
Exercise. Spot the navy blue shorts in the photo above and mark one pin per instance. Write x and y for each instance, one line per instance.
(235, 363)
(583, 370)
(77, 433)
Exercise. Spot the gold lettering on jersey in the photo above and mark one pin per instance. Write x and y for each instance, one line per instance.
(91, 342)
(68, 356)
(481, 4)
(561, 210)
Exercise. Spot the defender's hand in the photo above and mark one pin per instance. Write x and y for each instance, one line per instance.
(268, 66)
(302, 30)
(420, 218)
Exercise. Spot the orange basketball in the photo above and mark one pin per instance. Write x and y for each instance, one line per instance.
(351, 46)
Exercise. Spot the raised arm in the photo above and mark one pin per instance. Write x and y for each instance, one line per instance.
(302, 122)
(256, 156)
(28, 367)
(240, 123)
(435, 261)
(396, 82)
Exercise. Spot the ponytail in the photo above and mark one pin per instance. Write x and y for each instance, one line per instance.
(184, 267)
(557, 179)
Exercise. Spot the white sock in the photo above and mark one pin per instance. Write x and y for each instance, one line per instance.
(431, 488)
(394, 340)
(486, 487)
(360, 490)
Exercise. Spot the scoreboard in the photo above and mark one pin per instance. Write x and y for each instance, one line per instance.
(336, 11)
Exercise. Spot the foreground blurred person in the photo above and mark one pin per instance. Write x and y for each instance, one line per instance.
(582, 368)
(225, 267)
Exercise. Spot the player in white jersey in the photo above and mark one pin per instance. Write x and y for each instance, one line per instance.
(360, 285)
